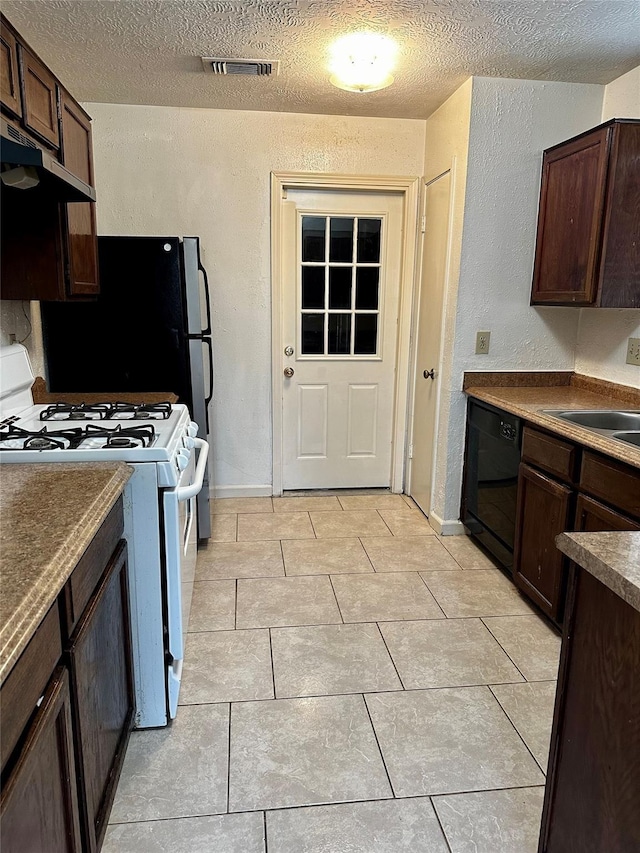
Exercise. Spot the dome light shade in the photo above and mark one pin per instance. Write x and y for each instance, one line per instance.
(362, 62)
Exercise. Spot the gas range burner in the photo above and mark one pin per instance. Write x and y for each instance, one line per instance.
(15, 438)
(119, 437)
(90, 436)
(106, 411)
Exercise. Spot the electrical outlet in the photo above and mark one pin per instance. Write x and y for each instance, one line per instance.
(482, 343)
(633, 351)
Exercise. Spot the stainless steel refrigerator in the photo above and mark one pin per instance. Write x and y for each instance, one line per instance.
(149, 330)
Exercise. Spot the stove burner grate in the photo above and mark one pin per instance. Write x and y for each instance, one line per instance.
(106, 411)
(71, 438)
(39, 440)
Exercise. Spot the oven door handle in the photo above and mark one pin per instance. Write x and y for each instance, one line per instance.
(184, 493)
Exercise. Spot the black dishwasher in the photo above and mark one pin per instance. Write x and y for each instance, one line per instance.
(490, 486)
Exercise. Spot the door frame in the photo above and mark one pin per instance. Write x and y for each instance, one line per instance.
(409, 188)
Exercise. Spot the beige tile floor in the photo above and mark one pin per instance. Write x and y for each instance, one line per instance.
(352, 682)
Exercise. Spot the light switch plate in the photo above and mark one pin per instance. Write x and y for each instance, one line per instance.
(633, 351)
(483, 340)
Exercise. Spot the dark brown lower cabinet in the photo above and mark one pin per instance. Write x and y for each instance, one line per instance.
(62, 756)
(544, 510)
(39, 803)
(102, 689)
(592, 797)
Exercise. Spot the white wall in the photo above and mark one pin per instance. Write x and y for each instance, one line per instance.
(622, 96)
(602, 337)
(446, 147)
(512, 121)
(20, 321)
(164, 171)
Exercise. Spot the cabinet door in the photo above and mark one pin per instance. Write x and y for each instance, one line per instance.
(39, 99)
(82, 240)
(543, 512)
(10, 85)
(570, 221)
(592, 796)
(39, 806)
(592, 516)
(31, 261)
(101, 677)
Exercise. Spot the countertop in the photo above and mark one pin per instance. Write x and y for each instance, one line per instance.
(612, 557)
(529, 402)
(49, 514)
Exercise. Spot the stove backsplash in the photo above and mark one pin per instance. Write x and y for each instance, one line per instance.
(22, 320)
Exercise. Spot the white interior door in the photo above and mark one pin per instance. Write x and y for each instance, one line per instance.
(435, 259)
(341, 288)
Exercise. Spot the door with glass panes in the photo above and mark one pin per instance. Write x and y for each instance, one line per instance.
(343, 253)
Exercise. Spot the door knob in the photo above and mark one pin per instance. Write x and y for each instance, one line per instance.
(288, 372)
(429, 374)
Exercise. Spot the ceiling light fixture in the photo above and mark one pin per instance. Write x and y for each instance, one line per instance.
(362, 62)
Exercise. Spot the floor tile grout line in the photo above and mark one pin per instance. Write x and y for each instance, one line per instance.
(333, 803)
(273, 670)
(385, 523)
(503, 648)
(364, 548)
(313, 527)
(235, 609)
(229, 763)
(284, 563)
(390, 655)
(335, 595)
(444, 834)
(513, 725)
(528, 680)
(375, 734)
(402, 690)
(264, 827)
(433, 595)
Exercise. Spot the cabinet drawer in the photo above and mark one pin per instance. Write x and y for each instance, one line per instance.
(614, 482)
(548, 453)
(80, 586)
(27, 680)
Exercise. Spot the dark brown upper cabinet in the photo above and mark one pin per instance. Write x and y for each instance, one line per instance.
(49, 248)
(77, 155)
(39, 96)
(588, 242)
(9, 80)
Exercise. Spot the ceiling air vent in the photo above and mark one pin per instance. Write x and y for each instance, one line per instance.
(251, 67)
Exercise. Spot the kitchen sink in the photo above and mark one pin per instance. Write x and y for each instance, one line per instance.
(608, 420)
(621, 425)
(629, 437)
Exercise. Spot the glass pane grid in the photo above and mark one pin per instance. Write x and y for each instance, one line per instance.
(338, 309)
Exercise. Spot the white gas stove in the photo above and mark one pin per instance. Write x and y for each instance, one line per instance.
(159, 442)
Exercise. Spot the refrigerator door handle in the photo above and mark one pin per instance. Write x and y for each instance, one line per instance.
(209, 396)
(207, 297)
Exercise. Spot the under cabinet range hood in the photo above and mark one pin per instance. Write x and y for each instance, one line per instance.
(26, 166)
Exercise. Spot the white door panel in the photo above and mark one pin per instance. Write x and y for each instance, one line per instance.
(341, 294)
(435, 262)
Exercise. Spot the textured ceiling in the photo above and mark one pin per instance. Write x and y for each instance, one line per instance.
(147, 52)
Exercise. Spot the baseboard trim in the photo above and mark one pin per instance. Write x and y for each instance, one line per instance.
(446, 528)
(242, 491)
